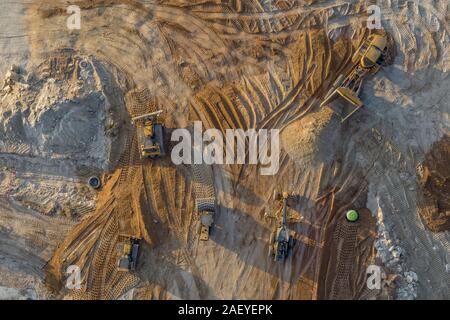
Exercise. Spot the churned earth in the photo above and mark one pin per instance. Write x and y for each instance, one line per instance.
(65, 109)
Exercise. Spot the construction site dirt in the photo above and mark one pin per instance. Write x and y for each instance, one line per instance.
(200, 231)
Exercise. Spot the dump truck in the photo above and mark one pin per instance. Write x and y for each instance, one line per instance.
(128, 249)
(206, 209)
(343, 97)
(281, 241)
(206, 221)
(151, 135)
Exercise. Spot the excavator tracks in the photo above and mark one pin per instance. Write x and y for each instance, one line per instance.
(345, 234)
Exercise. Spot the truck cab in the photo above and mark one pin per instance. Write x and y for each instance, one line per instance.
(371, 52)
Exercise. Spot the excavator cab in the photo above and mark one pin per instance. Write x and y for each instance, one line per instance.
(151, 135)
(282, 245)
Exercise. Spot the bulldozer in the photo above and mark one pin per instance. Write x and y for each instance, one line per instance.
(281, 241)
(343, 97)
(151, 135)
(128, 249)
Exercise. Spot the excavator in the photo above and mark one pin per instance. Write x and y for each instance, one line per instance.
(343, 97)
(151, 135)
(281, 241)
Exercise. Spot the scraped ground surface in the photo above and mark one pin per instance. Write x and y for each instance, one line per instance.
(231, 64)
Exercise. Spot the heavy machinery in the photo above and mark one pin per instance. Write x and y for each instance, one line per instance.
(151, 135)
(281, 241)
(128, 249)
(343, 97)
(206, 221)
(206, 209)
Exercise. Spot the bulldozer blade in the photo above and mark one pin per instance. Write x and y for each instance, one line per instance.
(146, 116)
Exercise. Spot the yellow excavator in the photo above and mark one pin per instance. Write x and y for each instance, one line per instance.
(281, 241)
(343, 97)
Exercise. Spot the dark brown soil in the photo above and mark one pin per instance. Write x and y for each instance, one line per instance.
(435, 180)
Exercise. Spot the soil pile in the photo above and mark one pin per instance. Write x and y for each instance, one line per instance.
(56, 116)
(435, 180)
(312, 138)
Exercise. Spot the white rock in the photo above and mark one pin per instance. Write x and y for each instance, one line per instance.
(396, 254)
(7, 89)
(411, 276)
(14, 68)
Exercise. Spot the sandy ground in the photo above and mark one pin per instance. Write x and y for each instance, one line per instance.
(14, 39)
(244, 64)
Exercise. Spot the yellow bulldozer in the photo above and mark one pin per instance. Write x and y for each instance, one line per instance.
(128, 249)
(151, 135)
(343, 97)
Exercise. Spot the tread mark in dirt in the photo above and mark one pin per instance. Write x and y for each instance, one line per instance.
(345, 232)
(186, 254)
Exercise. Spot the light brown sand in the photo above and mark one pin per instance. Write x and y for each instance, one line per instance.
(247, 65)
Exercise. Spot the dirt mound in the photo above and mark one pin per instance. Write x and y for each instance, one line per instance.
(435, 180)
(235, 64)
(56, 114)
(58, 126)
(310, 139)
